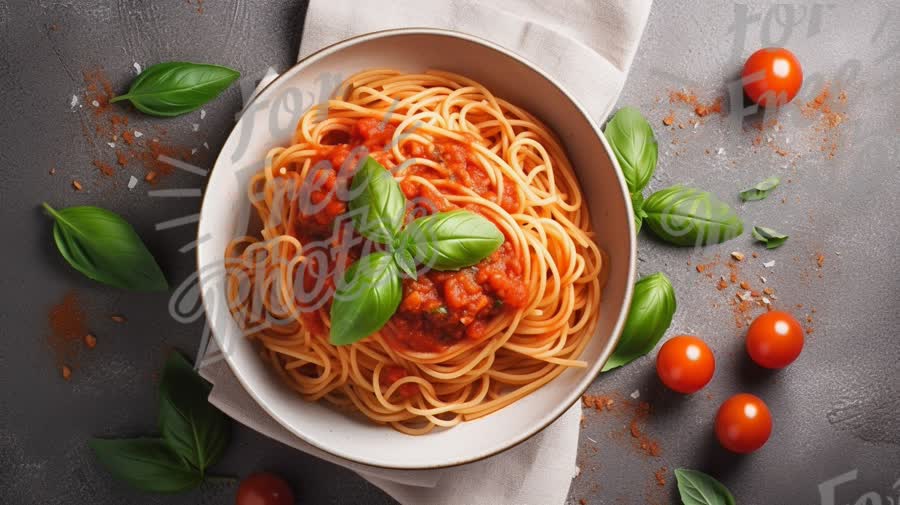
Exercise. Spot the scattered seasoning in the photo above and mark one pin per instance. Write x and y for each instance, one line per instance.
(820, 260)
(67, 328)
(150, 177)
(117, 318)
(738, 256)
(53, 171)
(820, 110)
(108, 125)
(90, 341)
(668, 120)
(77, 185)
(661, 476)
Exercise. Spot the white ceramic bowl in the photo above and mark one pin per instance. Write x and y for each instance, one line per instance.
(270, 121)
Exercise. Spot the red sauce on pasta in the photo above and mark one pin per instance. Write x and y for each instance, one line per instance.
(438, 309)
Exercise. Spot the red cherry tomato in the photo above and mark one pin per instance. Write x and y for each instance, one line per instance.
(772, 76)
(264, 489)
(743, 423)
(775, 339)
(685, 364)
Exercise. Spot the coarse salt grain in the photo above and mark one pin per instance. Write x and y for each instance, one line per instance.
(195, 126)
(745, 296)
(762, 279)
(132, 182)
(138, 134)
(137, 68)
(193, 150)
(720, 151)
(769, 264)
(577, 471)
(636, 394)
(202, 113)
(206, 145)
(74, 101)
(766, 301)
(111, 144)
(95, 103)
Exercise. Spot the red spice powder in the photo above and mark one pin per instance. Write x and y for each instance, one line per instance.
(67, 328)
(700, 109)
(827, 119)
(661, 476)
(111, 126)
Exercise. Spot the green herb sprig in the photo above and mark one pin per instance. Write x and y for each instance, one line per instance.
(652, 308)
(768, 236)
(177, 87)
(761, 190)
(371, 290)
(104, 247)
(698, 488)
(194, 435)
(678, 215)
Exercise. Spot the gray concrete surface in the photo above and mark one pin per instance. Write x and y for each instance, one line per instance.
(836, 410)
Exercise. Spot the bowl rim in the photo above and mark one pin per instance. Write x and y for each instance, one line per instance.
(631, 274)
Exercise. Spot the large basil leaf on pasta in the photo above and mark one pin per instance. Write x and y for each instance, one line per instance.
(378, 205)
(688, 216)
(451, 240)
(368, 296)
(631, 139)
(652, 307)
(698, 488)
(190, 425)
(104, 247)
(174, 88)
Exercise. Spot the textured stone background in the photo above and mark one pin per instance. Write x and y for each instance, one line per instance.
(836, 410)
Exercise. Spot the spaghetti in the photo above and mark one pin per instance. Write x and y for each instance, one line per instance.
(462, 344)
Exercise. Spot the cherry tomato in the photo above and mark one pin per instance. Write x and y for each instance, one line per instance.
(743, 423)
(685, 364)
(772, 76)
(264, 489)
(775, 339)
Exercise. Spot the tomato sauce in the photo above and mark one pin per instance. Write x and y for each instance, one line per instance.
(438, 309)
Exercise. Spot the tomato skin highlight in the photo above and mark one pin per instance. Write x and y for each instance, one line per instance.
(685, 364)
(775, 339)
(772, 76)
(264, 489)
(743, 423)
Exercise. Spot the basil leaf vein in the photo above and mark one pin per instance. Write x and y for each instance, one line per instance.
(652, 308)
(687, 216)
(175, 88)
(761, 190)
(768, 236)
(451, 240)
(147, 464)
(368, 296)
(104, 247)
(698, 488)
(194, 429)
(632, 141)
(378, 206)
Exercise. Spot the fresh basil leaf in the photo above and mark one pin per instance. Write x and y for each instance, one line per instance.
(190, 425)
(631, 139)
(637, 204)
(652, 307)
(147, 464)
(104, 247)
(378, 206)
(175, 88)
(770, 237)
(698, 488)
(761, 190)
(687, 216)
(368, 296)
(406, 262)
(451, 240)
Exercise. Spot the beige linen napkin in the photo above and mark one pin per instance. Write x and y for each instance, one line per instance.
(588, 45)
